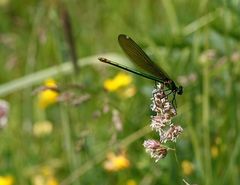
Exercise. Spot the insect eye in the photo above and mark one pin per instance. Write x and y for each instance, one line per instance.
(180, 90)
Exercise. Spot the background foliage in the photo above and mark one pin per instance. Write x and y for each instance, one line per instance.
(197, 42)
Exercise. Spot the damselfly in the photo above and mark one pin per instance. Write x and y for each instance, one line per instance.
(140, 59)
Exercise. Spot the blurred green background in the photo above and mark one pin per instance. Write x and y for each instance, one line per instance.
(196, 42)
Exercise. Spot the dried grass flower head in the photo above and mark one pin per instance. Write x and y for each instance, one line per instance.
(171, 134)
(155, 149)
(4, 110)
(161, 122)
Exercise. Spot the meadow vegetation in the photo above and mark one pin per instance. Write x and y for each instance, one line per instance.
(65, 126)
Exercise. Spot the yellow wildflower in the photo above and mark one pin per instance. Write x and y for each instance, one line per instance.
(44, 180)
(38, 180)
(218, 140)
(48, 96)
(52, 181)
(46, 171)
(116, 162)
(45, 176)
(6, 180)
(131, 182)
(119, 81)
(42, 128)
(214, 151)
(187, 167)
(129, 92)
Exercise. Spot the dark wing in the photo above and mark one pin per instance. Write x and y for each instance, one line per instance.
(140, 58)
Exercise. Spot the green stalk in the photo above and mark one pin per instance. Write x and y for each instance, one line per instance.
(205, 124)
(201, 22)
(63, 69)
(101, 155)
(172, 16)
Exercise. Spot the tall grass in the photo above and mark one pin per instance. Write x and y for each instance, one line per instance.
(183, 37)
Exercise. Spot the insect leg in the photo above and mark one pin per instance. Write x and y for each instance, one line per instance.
(174, 102)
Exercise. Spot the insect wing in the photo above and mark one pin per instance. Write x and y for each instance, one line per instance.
(140, 58)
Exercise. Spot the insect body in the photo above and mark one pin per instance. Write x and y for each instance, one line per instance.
(140, 59)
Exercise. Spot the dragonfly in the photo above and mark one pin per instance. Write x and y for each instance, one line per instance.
(141, 60)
